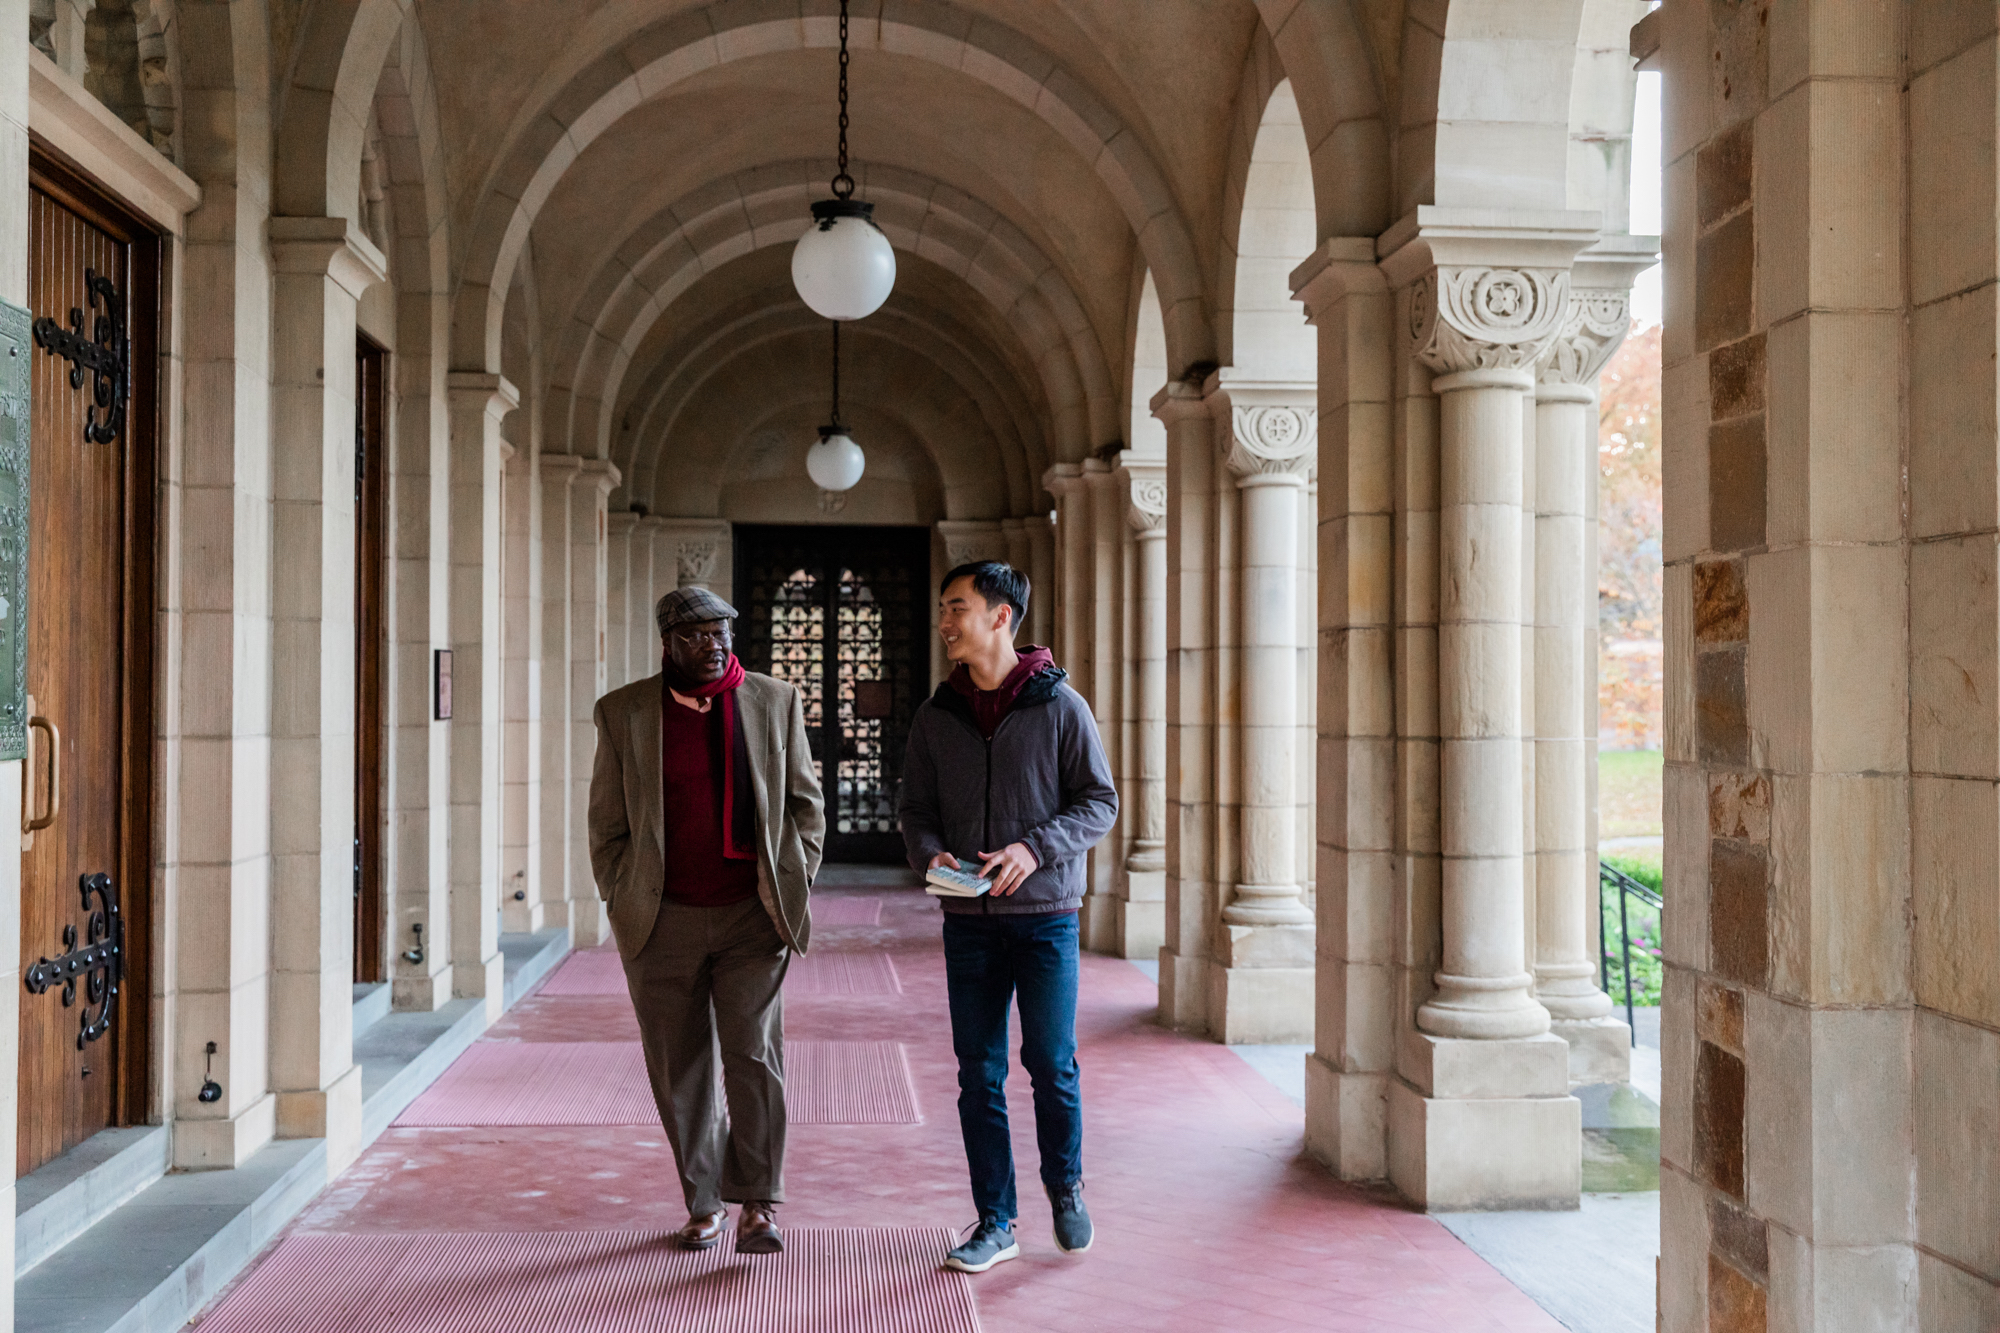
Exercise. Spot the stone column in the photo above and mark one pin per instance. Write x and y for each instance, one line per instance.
(522, 907)
(1565, 677)
(1020, 555)
(1481, 1117)
(642, 637)
(1354, 1030)
(1107, 554)
(557, 474)
(478, 403)
(1191, 705)
(618, 596)
(1140, 927)
(322, 267)
(588, 530)
(1261, 982)
(1041, 579)
(1074, 548)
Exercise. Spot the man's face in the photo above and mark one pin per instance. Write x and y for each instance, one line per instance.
(700, 651)
(968, 626)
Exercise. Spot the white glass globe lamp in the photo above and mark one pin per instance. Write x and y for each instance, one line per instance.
(836, 462)
(843, 267)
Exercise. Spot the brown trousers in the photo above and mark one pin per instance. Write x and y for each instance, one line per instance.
(711, 979)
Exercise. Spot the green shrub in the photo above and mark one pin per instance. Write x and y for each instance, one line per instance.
(1644, 921)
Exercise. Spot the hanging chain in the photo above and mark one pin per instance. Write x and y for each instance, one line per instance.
(843, 184)
(836, 370)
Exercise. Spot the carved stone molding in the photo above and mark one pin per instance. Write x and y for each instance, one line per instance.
(1146, 509)
(1473, 318)
(969, 540)
(1595, 327)
(832, 502)
(1274, 440)
(695, 561)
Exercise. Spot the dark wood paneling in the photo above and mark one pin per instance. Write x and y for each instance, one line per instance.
(371, 939)
(90, 666)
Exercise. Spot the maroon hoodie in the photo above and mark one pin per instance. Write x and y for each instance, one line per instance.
(989, 707)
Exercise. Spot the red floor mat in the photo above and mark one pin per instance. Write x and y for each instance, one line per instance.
(588, 972)
(604, 1083)
(847, 911)
(844, 1280)
(821, 972)
(839, 972)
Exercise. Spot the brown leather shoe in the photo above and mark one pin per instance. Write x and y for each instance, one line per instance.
(757, 1229)
(702, 1231)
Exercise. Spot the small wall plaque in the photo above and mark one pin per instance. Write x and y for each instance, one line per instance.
(16, 353)
(441, 684)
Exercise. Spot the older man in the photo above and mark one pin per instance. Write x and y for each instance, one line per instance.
(705, 831)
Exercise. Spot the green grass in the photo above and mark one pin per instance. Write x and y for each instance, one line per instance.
(1628, 793)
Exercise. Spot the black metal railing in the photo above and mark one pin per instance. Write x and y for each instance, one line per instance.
(1610, 879)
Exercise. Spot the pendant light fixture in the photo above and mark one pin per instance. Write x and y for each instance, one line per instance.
(836, 462)
(844, 267)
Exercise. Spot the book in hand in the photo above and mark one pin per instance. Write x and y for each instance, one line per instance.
(944, 882)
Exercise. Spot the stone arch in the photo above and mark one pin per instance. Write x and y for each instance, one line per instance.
(1470, 141)
(1343, 80)
(557, 130)
(973, 477)
(1150, 372)
(1269, 224)
(323, 111)
(672, 251)
(1007, 423)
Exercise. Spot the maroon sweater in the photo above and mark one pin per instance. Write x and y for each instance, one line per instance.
(698, 874)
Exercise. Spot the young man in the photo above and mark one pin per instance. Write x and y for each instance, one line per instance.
(1005, 769)
(705, 832)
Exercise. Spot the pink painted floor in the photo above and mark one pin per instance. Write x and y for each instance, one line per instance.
(1208, 1215)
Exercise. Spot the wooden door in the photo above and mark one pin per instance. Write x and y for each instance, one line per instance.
(94, 274)
(371, 927)
(842, 612)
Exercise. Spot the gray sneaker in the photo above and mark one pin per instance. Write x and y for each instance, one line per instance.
(992, 1241)
(1073, 1229)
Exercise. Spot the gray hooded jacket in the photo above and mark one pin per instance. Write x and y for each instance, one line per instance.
(1042, 780)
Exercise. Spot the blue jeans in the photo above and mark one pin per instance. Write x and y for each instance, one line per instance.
(987, 960)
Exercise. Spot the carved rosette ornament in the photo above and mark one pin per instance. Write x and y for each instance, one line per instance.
(1599, 318)
(1486, 318)
(1270, 441)
(696, 561)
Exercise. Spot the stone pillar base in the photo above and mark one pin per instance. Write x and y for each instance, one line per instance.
(1183, 991)
(1098, 923)
(1139, 929)
(332, 1113)
(420, 995)
(1260, 1004)
(589, 924)
(1600, 1050)
(1347, 1120)
(1485, 1125)
(522, 918)
(222, 1145)
(487, 981)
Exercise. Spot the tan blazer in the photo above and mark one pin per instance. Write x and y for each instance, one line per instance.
(628, 843)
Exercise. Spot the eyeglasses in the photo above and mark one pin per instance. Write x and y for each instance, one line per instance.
(714, 638)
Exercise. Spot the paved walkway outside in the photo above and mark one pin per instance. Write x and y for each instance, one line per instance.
(1209, 1217)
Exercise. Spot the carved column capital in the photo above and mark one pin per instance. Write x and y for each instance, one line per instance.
(1145, 483)
(970, 540)
(1273, 440)
(1592, 331)
(1471, 317)
(694, 560)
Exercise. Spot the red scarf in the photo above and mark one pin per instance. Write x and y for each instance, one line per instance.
(738, 842)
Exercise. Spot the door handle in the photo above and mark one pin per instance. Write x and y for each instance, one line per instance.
(31, 823)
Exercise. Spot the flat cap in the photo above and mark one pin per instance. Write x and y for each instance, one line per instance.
(690, 606)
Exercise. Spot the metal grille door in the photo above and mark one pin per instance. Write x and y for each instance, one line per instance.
(842, 614)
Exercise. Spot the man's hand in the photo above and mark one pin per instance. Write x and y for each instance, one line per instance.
(1015, 863)
(945, 859)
